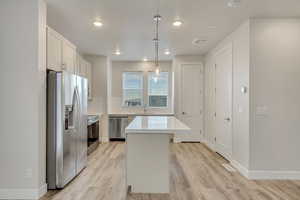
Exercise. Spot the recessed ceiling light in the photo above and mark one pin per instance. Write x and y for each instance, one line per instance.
(98, 23)
(117, 52)
(234, 3)
(177, 23)
(167, 52)
(145, 59)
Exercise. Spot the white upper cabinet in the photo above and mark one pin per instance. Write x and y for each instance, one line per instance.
(61, 54)
(68, 56)
(54, 50)
(77, 66)
(81, 66)
(84, 69)
(89, 77)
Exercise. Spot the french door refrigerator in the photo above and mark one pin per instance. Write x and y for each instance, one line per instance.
(66, 127)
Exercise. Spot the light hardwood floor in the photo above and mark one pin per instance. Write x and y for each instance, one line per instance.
(196, 174)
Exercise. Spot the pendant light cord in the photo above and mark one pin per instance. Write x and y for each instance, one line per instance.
(156, 43)
(157, 18)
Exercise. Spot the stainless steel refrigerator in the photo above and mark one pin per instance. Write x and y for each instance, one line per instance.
(66, 127)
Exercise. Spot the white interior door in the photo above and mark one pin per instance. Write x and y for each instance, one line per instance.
(224, 102)
(191, 112)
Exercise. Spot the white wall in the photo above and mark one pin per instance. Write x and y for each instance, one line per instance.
(239, 40)
(42, 71)
(266, 60)
(118, 67)
(23, 90)
(99, 84)
(275, 99)
(209, 102)
(99, 102)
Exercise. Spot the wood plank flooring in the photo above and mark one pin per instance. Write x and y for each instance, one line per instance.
(196, 174)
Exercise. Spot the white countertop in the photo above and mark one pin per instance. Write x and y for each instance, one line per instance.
(157, 124)
(140, 114)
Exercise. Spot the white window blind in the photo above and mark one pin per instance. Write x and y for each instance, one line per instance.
(132, 89)
(158, 88)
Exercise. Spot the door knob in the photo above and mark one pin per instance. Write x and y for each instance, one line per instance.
(183, 113)
(227, 119)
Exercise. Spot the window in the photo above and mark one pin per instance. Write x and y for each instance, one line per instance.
(132, 89)
(158, 87)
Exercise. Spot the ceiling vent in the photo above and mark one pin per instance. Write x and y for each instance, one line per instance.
(234, 3)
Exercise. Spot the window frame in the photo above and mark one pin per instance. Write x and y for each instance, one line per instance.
(142, 90)
(147, 93)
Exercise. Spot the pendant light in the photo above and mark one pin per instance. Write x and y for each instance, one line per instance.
(156, 18)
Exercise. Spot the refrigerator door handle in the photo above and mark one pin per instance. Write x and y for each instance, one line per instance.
(78, 106)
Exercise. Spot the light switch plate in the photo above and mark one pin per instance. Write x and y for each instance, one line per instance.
(262, 110)
(240, 109)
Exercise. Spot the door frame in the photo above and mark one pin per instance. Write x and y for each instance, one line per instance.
(180, 102)
(218, 52)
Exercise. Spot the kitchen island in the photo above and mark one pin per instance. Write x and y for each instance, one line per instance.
(148, 152)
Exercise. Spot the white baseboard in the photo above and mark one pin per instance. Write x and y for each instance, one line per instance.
(105, 140)
(30, 194)
(179, 140)
(273, 175)
(43, 190)
(209, 145)
(243, 170)
(265, 174)
(176, 140)
(261, 174)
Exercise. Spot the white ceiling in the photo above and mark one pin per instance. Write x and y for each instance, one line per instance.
(128, 24)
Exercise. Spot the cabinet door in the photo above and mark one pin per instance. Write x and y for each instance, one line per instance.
(54, 50)
(77, 64)
(68, 56)
(83, 68)
(89, 77)
(191, 106)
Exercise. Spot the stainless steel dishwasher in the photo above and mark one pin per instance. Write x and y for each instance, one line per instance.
(117, 127)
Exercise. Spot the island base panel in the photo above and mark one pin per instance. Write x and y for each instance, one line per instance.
(148, 163)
